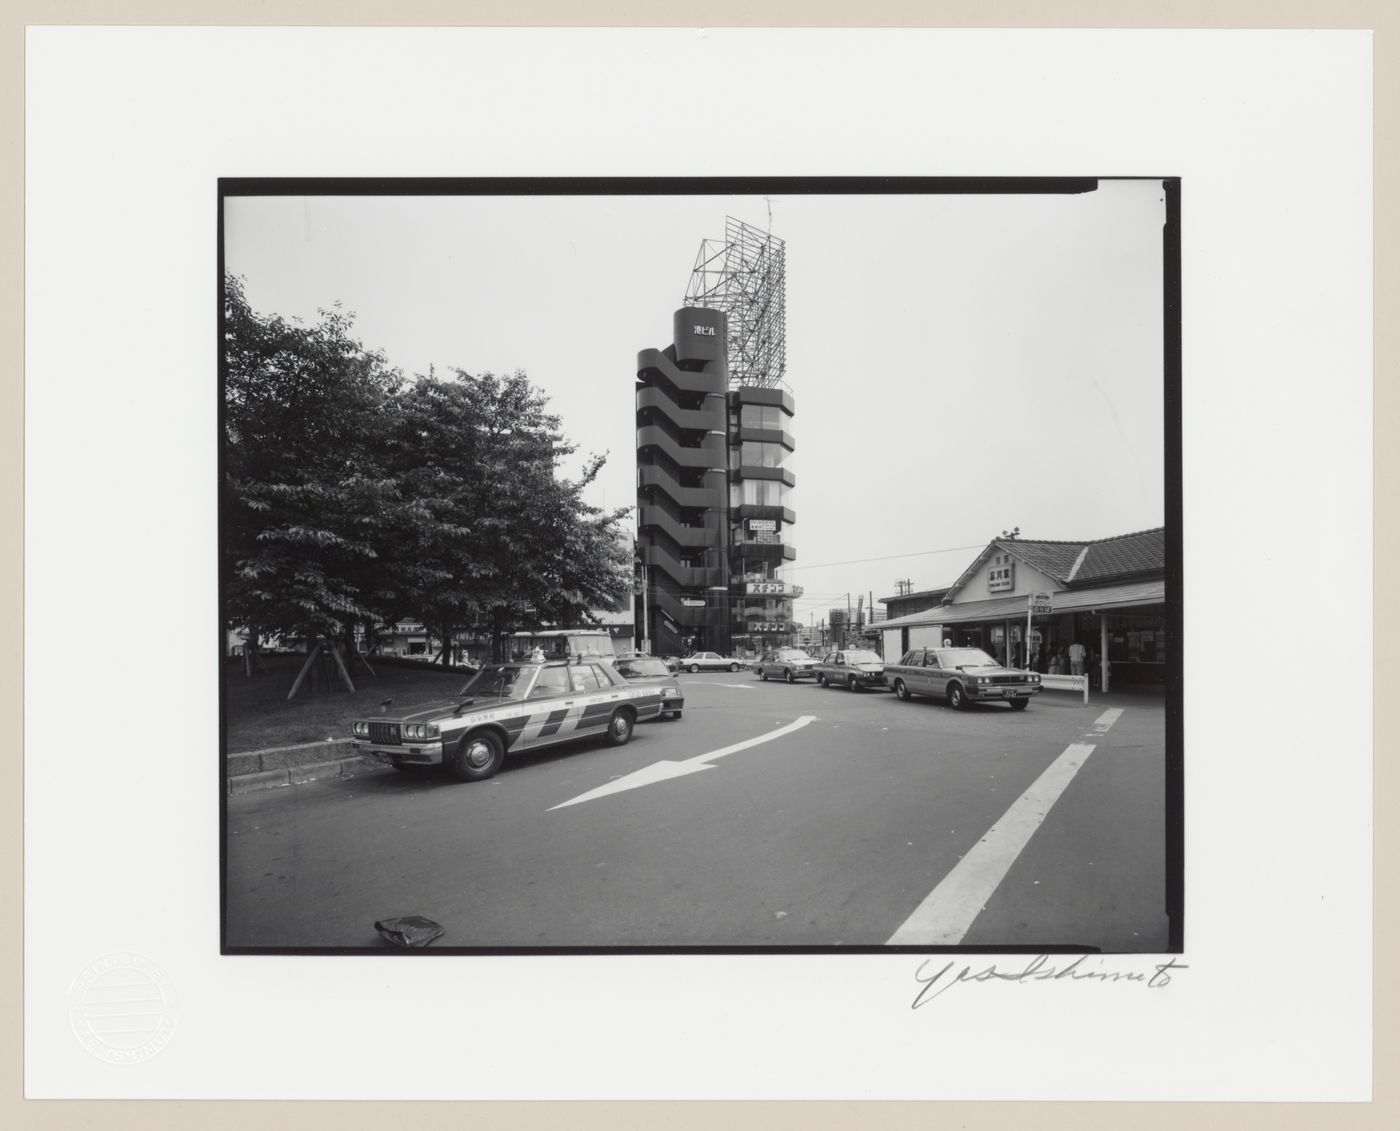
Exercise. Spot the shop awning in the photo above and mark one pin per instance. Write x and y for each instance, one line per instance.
(1014, 608)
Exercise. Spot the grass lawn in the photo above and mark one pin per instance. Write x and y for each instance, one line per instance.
(260, 717)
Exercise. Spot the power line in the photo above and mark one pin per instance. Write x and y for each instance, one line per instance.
(886, 558)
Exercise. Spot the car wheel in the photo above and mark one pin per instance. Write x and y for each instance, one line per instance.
(619, 727)
(763, 675)
(900, 691)
(672, 715)
(694, 668)
(957, 697)
(478, 756)
(1019, 704)
(821, 679)
(734, 667)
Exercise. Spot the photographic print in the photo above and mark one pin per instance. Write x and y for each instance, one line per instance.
(700, 566)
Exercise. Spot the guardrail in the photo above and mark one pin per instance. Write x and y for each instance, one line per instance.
(1067, 683)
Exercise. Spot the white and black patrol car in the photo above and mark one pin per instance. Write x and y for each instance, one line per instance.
(520, 706)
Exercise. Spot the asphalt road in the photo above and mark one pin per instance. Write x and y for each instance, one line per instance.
(854, 820)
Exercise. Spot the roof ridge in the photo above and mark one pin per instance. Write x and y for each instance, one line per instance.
(1083, 541)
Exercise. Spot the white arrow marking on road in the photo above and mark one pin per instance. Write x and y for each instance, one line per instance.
(663, 771)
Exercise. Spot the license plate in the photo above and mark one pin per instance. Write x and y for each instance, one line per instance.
(1008, 695)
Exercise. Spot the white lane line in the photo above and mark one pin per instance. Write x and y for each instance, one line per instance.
(740, 686)
(947, 912)
(663, 771)
(1106, 720)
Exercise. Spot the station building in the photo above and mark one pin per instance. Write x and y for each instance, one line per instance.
(1024, 600)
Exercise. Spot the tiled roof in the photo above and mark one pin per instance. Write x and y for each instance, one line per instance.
(1122, 555)
(1140, 552)
(1054, 559)
(1071, 564)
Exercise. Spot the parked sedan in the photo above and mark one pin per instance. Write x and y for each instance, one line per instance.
(710, 662)
(507, 708)
(852, 668)
(643, 670)
(788, 664)
(963, 676)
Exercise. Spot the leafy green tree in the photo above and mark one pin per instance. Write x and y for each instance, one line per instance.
(351, 496)
(306, 501)
(500, 539)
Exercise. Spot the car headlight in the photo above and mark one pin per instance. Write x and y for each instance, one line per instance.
(669, 692)
(420, 731)
(1035, 679)
(360, 730)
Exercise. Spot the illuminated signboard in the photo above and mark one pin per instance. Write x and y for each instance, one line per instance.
(756, 587)
(693, 602)
(763, 524)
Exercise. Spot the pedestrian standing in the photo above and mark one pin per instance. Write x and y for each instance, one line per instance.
(1076, 658)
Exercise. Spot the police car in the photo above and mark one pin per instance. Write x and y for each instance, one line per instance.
(511, 707)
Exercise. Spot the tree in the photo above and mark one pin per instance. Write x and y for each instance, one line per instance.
(305, 498)
(353, 497)
(499, 539)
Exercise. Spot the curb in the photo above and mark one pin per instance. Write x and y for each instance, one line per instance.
(287, 757)
(296, 775)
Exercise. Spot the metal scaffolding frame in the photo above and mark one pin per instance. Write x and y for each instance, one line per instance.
(744, 277)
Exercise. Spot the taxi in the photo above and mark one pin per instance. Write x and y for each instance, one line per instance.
(962, 676)
(512, 707)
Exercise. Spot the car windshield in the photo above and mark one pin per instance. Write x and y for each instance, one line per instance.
(859, 657)
(793, 654)
(497, 681)
(965, 658)
(642, 666)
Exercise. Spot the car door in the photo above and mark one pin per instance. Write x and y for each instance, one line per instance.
(593, 696)
(938, 675)
(550, 709)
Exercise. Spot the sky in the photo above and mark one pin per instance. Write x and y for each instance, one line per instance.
(961, 365)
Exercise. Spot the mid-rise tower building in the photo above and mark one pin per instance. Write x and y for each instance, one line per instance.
(714, 441)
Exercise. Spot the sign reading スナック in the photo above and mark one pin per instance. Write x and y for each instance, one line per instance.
(1041, 604)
